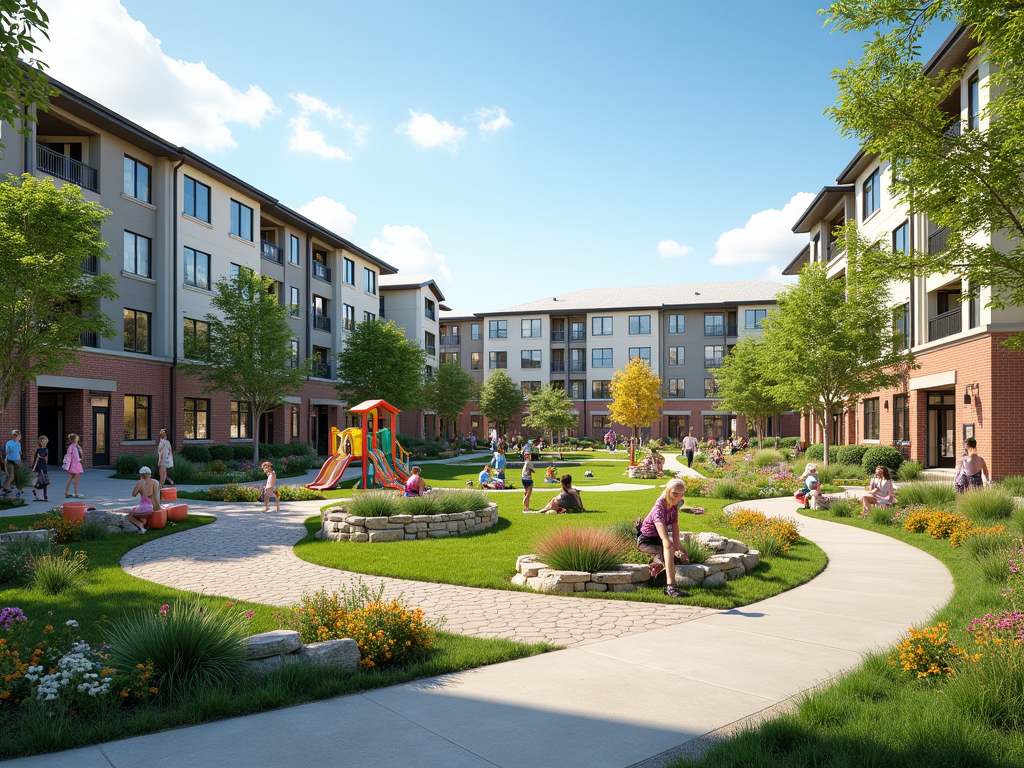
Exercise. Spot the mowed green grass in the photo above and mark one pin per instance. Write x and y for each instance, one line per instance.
(488, 559)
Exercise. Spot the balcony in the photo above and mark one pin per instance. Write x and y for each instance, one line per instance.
(450, 341)
(321, 271)
(90, 339)
(937, 240)
(558, 335)
(713, 362)
(834, 251)
(946, 324)
(953, 131)
(558, 366)
(91, 266)
(271, 252)
(61, 167)
(321, 369)
(322, 322)
(577, 336)
(577, 366)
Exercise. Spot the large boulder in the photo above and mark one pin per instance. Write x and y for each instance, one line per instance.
(340, 654)
(277, 642)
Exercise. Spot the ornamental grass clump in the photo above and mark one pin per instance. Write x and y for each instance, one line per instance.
(986, 504)
(696, 551)
(880, 516)
(580, 549)
(1013, 485)
(767, 458)
(841, 508)
(54, 574)
(18, 561)
(927, 494)
(450, 502)
(991, 685)
(927, 653)
(909, 470)
(419, 505)
(983, 541)
(377, 503)
(725, 489)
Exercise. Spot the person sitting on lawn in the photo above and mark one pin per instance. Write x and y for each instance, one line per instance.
(567, 501)
(809, 492)
(717, 458)
(658, 535)
(484, 479)
(549, 475)
(415, 486)
(149, 490)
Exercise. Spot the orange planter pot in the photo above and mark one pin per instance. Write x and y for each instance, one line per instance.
(176, 513)
(169, 494)
(157, 520)
(73, 510)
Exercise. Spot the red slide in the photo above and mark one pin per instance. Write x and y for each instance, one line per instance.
(331, 472)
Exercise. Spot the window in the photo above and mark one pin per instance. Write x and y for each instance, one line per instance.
(973, 306)
(196, 341)
(530, 358)
(369, 281)
(677, 355)
(714, 427)
(713, 355)
(294, 305)
(678, 427)
(710, 388)
(644, 353)
(639, 324)
(293, 353)
(476, 361)
(293, 425)
(577, 331)
(136, 331)
(901, 418)
(677, 387)
(136, 179)
(369, 317)
(319, 266)
(349, 271)
(497, 329)
(236, 271)
(901, 238)
(577, 389)
(450, 357)
(871, 418)
(348, 320)
(577, 360)
(599, 422)
(197, 268)
(601, 389)
(600, 326)
(428, 309)
(197, 418)
(241, 220)
(497, 360)
(319, 305)
(754, 318)
(136, 254)
(294, 255)
(560, 385)
(973, 110)
(239, 419)
(430, 343)
(869, 194)
(428, 371)
(676, 323)
(530, 329)
(901, 325)
(474, 331)
(321, 366)
(197, 200)
(601, 358)
(529, 386)
(714, 325)
(136, 417)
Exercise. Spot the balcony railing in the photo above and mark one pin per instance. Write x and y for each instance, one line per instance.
(834, 250)
(322, 322)
(946, 324)
(451, 341)
(90, 339)
(271, 252)
(714, 330)
(713, 362)
(577, 366)
(321, 271)
(61, 167)
(321, 369)
(937, 240)
(953, 131)
(577, 336)
(91, 265)
(558, 335)
(558, 366)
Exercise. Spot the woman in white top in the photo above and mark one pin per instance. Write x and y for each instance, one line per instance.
(165, 458)
(880, 492)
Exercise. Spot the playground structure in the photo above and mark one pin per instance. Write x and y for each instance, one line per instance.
(384, 461)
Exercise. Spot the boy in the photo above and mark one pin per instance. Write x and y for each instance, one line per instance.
(270, 489)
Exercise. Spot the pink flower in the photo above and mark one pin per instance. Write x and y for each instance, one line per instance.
(248, 614)
(164, 609)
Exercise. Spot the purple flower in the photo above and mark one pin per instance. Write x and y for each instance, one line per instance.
(248, 614)
(164, 609)
(10, 615)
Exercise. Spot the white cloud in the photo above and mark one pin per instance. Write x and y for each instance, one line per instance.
(491, 120)
(97, 48)
(774, 273)
(305, 138)
(766, 237)
(427, 131)
(409, 249)
(669, 249)
(331, 214)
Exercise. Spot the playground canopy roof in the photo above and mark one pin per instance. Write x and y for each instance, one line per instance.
(370, 405)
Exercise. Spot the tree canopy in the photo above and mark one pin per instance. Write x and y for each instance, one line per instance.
(551, 410)
(500, 400)
(378, 361)
(746, 386)
(636, 398)
(46, 300)
(22, 82)
(448, 392)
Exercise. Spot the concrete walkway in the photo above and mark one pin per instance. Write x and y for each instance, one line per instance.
(631, 700)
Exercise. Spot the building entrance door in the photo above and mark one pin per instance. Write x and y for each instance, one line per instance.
(941, 429)
(267, 428)
(100, 430)
(51, 423)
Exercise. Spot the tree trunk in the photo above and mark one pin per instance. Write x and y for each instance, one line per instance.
(632, 447)
(824, 432)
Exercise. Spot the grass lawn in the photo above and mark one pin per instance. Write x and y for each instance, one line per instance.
(487, 559)
(879, 716)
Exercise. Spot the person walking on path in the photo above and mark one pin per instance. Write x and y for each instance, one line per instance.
(39, 466)
(415, 486)
(12, 458)
(971, 470)
(270, 489)
(73, 465)
(689, 447)
(166, 458)
(880, 492)
(527, 478)
(658, 535)
(149, 490)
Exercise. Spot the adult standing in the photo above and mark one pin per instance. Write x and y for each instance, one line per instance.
(971, 468)
(689, 447)
(12, 458)
(499, 463)
(527, 478)
(609, 441)
(73, 465)
(165, 458)
(472, 442)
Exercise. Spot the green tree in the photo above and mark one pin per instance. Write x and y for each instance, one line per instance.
(746, 386)
(636, 398)
(46, 301)
(248, 353)
(22, 82)
(969, 181)
(378, 362)
(500, 400)
(551, 410)
(448, 392)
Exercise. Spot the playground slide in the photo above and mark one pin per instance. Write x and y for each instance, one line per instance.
(331, 472)
(385, 476)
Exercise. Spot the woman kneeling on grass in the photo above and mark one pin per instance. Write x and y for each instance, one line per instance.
(655, 540)
(568, 500)
(149, 490)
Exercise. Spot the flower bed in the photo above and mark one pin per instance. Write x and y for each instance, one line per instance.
(340, 525)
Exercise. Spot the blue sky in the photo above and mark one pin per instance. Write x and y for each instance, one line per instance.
(513, 151)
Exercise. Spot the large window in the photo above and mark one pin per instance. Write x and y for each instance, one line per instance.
(639, 324)
(349, 267)
(710, 388)
(973, 105)
(601, 389)
(430, 343)
(577, 360)
(474, 331)
(449, 357)
(676, 355)
(871, 418)
(497, 329)
(428, 309)
(677, 387)
(294, 303)
(136, 179)
(196, 341)
(870, 194)
(530, 329)
(577, 389)
(714, 427)
(754, 318)
(348, 320)
(577, 331)
(197, 418)
(497, 360)
(136, 254)
(529, 386)
(294, 254)
(713, 355)
(901, 418)
(530, 358)
(136, 417)
(600, 422)
(197, 199)
(678, 427)
(601, 358)
(293, 353)
(241, 220)
(644, 353)
(369, 281)
(901, 325)
(197, 268)
(476, 361)
(600, 326)
(901, 238)
(676, 323)
(136, 331)
(240, 419)
(714, 325)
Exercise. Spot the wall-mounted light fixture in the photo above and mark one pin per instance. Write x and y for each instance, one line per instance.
(969, 390)
(886, 405)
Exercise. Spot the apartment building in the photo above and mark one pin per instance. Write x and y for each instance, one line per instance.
(577, 341)
(968, 384)
(177, 225)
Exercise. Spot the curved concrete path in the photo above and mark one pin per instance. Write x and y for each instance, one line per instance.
(632, 700)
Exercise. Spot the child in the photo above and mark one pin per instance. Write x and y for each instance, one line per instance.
(527, 478)
(484, 478)
(39, 459)
(808, 493)
(270, 489)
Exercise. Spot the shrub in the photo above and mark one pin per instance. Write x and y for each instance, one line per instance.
(694, 485)
(833, 472)
(767, 458)
(127, 464)
(183, 472)
(990, 686)
(725, 489)
(986, 504)
(376, 503)
(929, 494)
(980, 542)
(94, 530)
(572, 548)
(241, 493)
(927, 652)
(696, 551)
(789, 442)
(880, 516)
(770, 536)
(300, 449)
(450, 502)
(55, 574)
(909, 470)
(241, 451)
(65, 531)
(298, 493)
(17, 561)
(193, 452)
(938, 523)
(881, 456)
(216, 467)
(850, 454)
(995, 569)
(842, 508)
(222, 453)
(188, 644)
(815, 452)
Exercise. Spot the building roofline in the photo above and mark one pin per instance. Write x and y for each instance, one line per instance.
(804, 257)
(818, 200)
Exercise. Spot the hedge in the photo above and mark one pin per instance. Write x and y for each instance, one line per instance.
(815, 452)
(881, 456)
(197, 453)
(850, 454)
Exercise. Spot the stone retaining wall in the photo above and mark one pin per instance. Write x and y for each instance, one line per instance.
(339, 525)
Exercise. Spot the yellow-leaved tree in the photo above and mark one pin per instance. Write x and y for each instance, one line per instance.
(636, 399)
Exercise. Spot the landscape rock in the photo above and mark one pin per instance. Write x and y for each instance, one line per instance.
(340, 654)
(751, 560)
(519, 580)
(376, 523)
(714, 579)
(713, 541)
(572, 577)
(273, 643)
(390, 534)
(612, 577)
(593, 586)
(529, 570)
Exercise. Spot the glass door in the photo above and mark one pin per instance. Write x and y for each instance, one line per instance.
(100, 430)
(941, 428)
